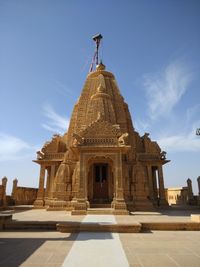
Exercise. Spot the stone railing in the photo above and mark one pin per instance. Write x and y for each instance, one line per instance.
(100, 141)
(148, 156)
(54, 156)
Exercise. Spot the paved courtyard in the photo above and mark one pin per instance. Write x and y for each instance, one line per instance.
(54, 249)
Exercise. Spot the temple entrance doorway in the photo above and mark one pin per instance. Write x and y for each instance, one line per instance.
(100, 182)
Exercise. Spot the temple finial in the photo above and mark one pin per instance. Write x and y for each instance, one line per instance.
(97, 38)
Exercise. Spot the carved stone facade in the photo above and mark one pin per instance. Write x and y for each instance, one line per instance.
(101, 159)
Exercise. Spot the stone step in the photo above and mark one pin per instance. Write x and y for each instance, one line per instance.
(100, 206)
(30, 225)
(21, 207)
(99, 211)
(76, 227)
(71, 227)
(170, 226)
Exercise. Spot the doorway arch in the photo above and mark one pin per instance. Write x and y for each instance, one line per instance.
(100, 180)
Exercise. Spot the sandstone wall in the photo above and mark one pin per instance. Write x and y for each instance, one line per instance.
(23, 195)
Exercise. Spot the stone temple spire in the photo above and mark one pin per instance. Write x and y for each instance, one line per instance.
(100, 95)
(101, 158)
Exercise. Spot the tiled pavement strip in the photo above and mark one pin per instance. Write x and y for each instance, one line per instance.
(54, 249)
(97, 249)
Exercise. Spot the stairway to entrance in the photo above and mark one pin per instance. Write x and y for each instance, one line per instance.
(100, 207)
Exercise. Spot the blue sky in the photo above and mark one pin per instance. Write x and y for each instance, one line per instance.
(152, 47)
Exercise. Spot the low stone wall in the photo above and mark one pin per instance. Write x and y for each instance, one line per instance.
(24, 195)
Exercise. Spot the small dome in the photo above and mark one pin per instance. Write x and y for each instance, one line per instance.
(101, 66)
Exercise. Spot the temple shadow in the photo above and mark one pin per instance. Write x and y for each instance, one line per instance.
(15, 251)
(179, 212)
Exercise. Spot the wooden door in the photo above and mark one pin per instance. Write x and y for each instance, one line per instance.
(100, 189)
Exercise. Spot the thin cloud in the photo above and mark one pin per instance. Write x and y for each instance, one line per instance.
(62, 88)
(164, 89)
(56, 123)
(14, 148)
(192, 112)
(186, 142)
(141, 126)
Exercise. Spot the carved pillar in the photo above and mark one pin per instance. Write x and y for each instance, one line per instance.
(39, 202)
(150, 179)
(47, 182)
(14, 189)
(80, 202)
(154, 182)
(162, 198)
(4, 183)
(52, 176)
(119, 203)
(82, 183)
(111, 182)
(119, 182)
(47, 186)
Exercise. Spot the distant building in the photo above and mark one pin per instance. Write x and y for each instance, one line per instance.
(177, 196)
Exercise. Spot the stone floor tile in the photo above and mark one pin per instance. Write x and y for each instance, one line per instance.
(39, 257)
(154, 260)
(57, 258)
(185, 260)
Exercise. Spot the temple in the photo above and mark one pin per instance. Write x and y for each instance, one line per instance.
(101, 160)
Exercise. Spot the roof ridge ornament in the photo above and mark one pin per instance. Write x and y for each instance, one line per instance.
(97, 38)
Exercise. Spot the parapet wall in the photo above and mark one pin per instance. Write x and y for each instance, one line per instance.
(24, 195)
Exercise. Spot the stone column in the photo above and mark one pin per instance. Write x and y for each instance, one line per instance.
(119, 203)
(47, 183)
(15, 182)
(162, 198)
(150, 179)
(39, 202)
(82, 182)
(190, 192)
(4, 183)
(198, 182)
(46, 199)
(80, 203)
(155, 188)
(52, 176)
